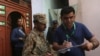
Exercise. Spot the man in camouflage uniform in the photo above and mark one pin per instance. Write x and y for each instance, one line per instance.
(35, 44)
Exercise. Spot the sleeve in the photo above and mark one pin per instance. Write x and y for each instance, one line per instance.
(87, 34)
(55, 36)
(21, 33)
(14, 37)
(28, 46)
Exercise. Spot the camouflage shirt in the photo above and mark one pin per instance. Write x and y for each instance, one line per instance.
(35, 44)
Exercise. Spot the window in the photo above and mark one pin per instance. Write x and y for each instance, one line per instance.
(2, 9)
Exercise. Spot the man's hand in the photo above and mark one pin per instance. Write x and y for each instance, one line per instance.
(67, 44)
(20, 38)
(88, 46)
(48, 54)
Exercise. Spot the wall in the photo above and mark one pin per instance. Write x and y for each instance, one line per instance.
(90, 16)
(42, 6)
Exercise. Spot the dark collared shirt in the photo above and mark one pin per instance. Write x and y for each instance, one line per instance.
(16, 34)
(77, 38)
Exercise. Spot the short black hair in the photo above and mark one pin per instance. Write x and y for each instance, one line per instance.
(67, 10)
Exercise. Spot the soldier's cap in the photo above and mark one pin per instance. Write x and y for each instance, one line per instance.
(40, 18)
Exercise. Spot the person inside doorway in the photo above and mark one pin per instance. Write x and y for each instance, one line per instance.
(17, 38)
(51, 31)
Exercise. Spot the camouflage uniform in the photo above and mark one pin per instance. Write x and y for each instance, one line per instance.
(35, 44)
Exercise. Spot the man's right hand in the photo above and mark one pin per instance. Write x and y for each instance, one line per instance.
(67, 44)
(20, 38)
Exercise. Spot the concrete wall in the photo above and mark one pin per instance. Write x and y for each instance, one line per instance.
(42, 6)
(89, 14)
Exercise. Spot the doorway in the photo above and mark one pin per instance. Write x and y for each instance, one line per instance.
(14, 16)
(11, 24)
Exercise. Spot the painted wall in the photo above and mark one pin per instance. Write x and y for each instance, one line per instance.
(89, 14)
(91, 17)
(42, 6)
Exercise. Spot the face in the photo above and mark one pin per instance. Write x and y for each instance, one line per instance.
(55, 25)
(20, 23)
(68, 19)
(41, 26)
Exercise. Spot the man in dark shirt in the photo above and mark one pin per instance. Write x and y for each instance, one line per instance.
(17, 38)
(71, 33)
(51, 31)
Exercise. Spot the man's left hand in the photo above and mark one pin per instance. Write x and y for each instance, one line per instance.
(88, 46)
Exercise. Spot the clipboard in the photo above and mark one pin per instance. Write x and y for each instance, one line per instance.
(64, 50)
